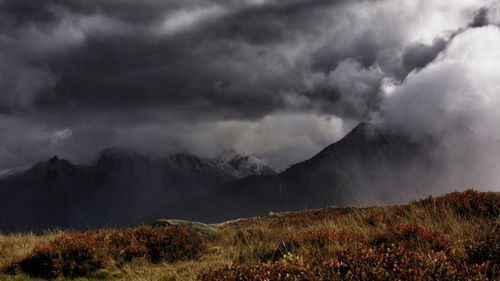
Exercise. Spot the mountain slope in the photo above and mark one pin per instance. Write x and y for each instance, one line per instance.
(118, 188)
(46, 190)
(365, 166)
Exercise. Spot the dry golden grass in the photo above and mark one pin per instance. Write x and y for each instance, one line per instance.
(247, 241)
(17, 245)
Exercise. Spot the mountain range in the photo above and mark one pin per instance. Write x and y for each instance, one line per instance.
(369, 165)
(119, 188)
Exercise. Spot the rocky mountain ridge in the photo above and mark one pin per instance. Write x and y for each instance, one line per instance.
(366, 166)
(119, 188)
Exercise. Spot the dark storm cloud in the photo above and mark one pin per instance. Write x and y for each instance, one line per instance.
(25, 11)
(417, 56)
(78, 76)
(480, 19)
(112, 63)
(129, 54)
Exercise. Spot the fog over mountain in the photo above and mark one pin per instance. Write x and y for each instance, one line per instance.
(371, 165)
(280, 80)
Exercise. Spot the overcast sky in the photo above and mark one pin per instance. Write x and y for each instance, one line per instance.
(278, 79)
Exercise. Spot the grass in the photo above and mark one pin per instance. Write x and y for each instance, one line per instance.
(453, 237)
(198, 227)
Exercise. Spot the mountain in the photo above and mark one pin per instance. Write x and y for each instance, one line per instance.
(118, 188)
(45, 190)
(366, 166)
(241, 166)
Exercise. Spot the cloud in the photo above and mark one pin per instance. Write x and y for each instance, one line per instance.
(20, 82)
(181, 20)
(128, 72)
(481, 18)
(280, 139)
(454, 101)
(493, 14)
(22, 142)
(349, 91)
(203, 55)
(418, 55)
(458, 90)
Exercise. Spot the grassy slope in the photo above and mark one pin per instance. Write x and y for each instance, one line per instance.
(249, 241)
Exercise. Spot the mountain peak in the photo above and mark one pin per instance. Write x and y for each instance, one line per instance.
(53, 160)
(120, 161)
(242, 165)
(363, 130)
(56, 162)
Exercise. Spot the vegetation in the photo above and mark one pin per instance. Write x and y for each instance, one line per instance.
(87, 254)
(197, 227)
(451, 237)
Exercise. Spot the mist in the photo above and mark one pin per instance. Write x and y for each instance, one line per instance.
(454, 101)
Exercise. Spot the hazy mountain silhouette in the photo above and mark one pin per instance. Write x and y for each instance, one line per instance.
(364, 167)
(119, 188)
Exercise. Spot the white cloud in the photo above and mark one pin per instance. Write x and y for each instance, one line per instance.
(60, 136)
(284, 139)
(458, 90)
(180, 20)
(494, 13)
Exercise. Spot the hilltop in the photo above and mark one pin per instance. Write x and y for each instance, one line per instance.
(450, 237)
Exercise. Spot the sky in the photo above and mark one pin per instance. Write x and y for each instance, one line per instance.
(277, 79)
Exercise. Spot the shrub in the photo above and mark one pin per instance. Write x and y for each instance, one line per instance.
(170, 243)
(378, 263)
(75, 255)
(466, 204)
(414, 237)
(81, 254)
(402, 252)
(124, 247)
(373, 218)
(485, 248)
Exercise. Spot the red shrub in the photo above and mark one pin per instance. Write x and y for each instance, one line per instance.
(72, 255)
(80, 254)
(170, 243)
(379, 263)
(466, 204)
(124, 247)
(373, 218)
(402, 252)
(414, 237)
(485, 249)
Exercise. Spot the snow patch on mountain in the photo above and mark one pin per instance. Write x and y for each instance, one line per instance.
(241, 165)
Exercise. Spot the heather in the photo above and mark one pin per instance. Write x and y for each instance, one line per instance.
(451, 237)
(83, 254)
